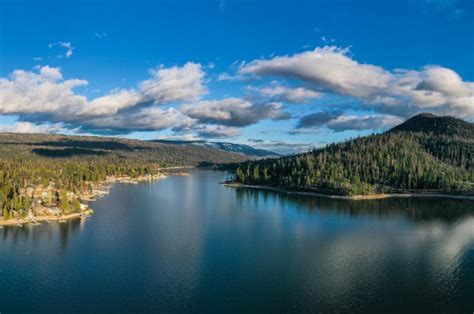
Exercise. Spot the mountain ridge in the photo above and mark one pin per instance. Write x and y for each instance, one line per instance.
(78, 147)
(225, 146)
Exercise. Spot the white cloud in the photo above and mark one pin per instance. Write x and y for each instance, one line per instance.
(51, 74)
(400, 92)
(69, 48)
(112, 102)
(175, 84)
(44, 92)
(27, 127)
(326, 68)
(67, 45)
(44, 95)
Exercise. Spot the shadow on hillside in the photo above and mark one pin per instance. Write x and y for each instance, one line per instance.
(66, 152)
(107, 145)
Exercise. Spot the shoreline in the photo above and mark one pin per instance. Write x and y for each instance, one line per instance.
(46, 218)
(347, 197)
(100, 189)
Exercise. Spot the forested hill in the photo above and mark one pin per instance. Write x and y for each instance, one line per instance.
(67, 167)
(426, 152)
(50, 147)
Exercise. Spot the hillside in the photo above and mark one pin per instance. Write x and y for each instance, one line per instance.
(225, 146)
(424, 153)
(41, 173)
(89, 148)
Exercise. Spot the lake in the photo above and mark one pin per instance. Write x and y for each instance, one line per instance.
(189, 244)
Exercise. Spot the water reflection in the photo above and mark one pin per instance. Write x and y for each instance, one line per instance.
(189, 244)
(45, 232)
(374, 255)
(417, 209)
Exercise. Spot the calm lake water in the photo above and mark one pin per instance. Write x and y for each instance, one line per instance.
(189, 244)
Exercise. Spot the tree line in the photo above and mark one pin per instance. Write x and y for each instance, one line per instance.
(63, 176)
(374, 164)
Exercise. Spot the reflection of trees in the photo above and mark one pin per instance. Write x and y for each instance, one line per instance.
(416, 208)
(43, 232)
(65, 230)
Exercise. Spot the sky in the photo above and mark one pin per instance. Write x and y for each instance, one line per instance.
(282, 75)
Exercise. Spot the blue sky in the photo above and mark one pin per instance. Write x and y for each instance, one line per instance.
(284, 75)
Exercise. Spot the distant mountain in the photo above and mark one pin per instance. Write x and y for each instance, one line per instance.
(225, 146)
(425, 153)
(437, 125)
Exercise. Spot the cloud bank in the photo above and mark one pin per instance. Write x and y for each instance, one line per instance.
(177, 98)
(171, 98)
(397, 93)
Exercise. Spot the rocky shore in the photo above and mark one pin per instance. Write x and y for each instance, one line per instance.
(41, 211)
